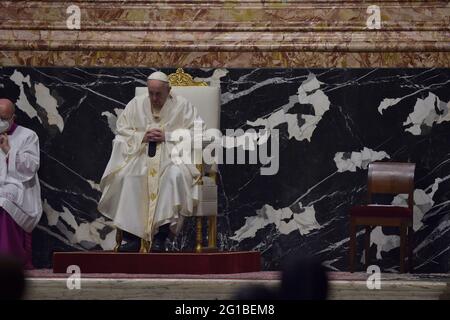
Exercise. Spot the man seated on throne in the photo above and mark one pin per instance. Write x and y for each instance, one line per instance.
(144, 191)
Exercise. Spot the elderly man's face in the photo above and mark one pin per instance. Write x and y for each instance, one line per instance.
(6, 110)
(158, 92)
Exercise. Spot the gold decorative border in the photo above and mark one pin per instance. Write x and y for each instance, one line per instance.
(226, 59)
(183, 79)
(216, 33)
(223, 15)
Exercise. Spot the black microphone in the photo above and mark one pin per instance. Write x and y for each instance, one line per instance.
(151, 149)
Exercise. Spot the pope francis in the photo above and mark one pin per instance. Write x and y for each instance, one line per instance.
(144, 192)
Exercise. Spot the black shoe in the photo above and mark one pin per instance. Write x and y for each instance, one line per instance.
(159, 245)
(130, 246)
(159, 241)
(133, 243)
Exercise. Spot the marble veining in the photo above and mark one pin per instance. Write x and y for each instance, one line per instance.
(331, 121)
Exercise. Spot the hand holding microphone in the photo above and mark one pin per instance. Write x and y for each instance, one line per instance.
(153, 136)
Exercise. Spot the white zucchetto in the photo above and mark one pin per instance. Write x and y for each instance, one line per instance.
(158, 75)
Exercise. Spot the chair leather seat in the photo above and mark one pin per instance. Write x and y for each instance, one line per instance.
(385, 211)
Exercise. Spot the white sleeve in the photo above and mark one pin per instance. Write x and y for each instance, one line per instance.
(23, 162)
(128, 137)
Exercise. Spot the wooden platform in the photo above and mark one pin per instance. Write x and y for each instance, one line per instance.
(158, 263)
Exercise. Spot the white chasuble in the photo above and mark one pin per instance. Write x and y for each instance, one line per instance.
(141, 193)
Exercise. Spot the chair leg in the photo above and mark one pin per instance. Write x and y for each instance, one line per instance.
(212, 232)
(410, 249)
(367, 245)
(119, 237)
(199, 235)
(352, 246)
(145, 246)
(402, 247)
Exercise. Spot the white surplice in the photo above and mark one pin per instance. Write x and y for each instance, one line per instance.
(20, 192)
(141, 193)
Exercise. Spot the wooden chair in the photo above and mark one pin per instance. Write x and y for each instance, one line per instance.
(386, 178)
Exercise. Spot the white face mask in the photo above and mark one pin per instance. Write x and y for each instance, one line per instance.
(4, 125)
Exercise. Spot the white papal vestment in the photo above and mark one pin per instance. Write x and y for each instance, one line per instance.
(141, 193)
